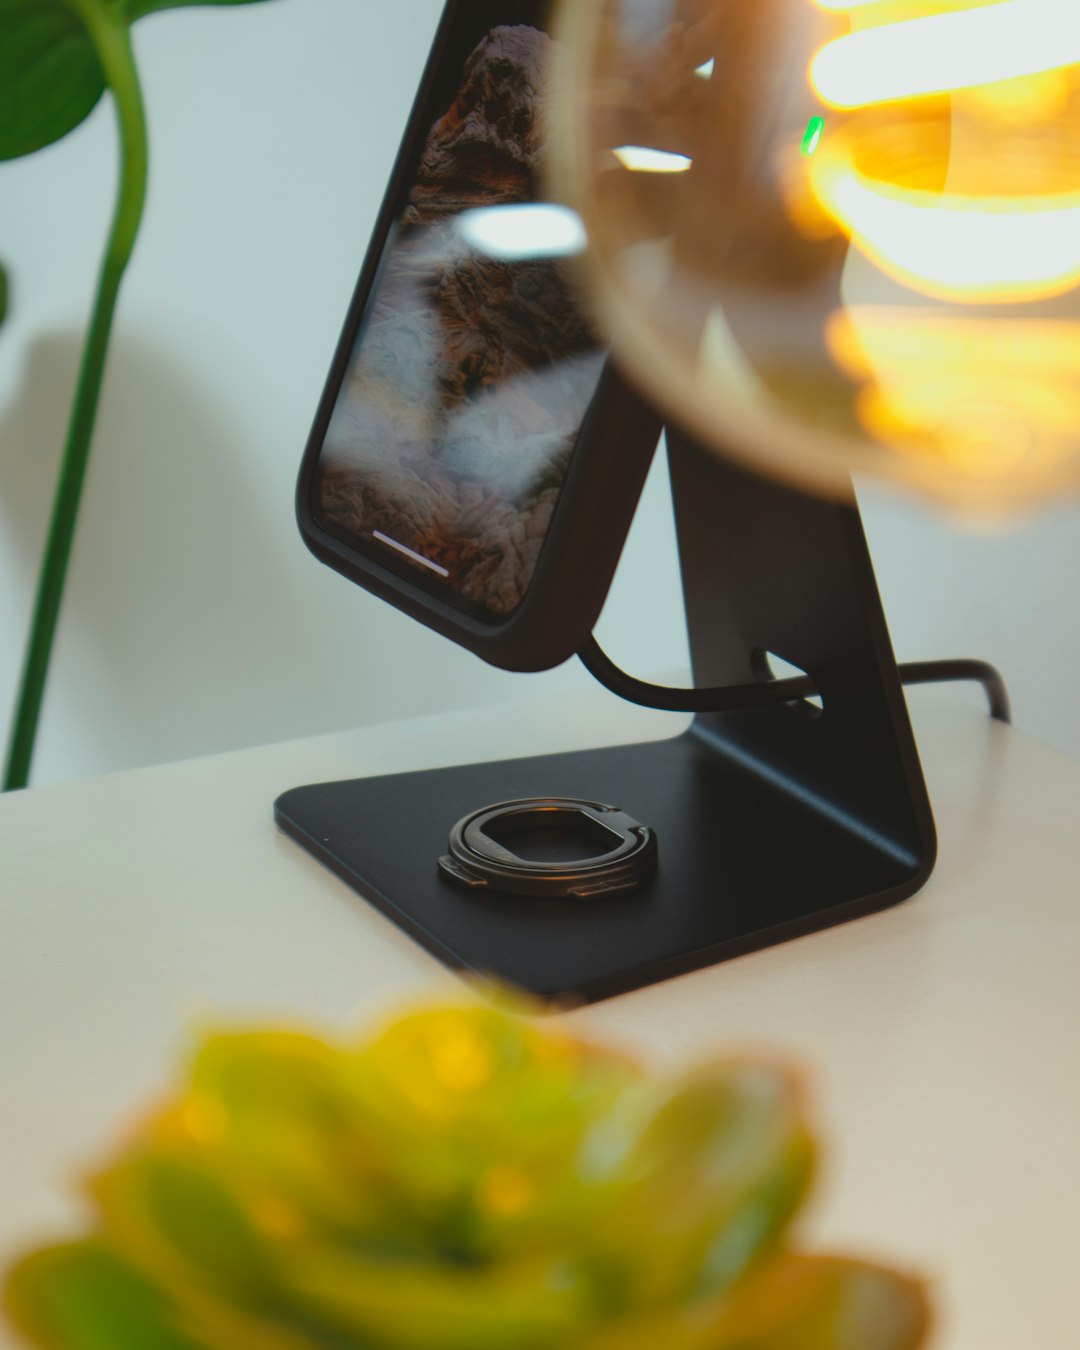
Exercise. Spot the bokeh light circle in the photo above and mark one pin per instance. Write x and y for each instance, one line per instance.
(836, 235)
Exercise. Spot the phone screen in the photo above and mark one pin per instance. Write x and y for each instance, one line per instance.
(473, 366)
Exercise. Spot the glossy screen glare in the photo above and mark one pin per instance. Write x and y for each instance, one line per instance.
(840, 234)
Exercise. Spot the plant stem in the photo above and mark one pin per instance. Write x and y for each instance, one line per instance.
(112, 42)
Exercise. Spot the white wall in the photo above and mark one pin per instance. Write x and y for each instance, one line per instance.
(195, 620)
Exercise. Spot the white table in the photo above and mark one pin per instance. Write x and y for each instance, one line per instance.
(943, 1036)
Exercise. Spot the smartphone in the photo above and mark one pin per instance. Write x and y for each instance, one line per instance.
(476, 458)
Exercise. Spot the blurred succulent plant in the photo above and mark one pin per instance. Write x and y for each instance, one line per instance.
(463, 1181)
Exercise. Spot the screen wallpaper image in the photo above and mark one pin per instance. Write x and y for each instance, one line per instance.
(474, 367)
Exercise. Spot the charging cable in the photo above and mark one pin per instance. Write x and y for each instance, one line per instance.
(728, 698)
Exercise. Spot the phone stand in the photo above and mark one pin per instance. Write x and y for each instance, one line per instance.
(771, 822)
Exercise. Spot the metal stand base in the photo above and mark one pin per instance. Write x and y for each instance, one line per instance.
(772, 822)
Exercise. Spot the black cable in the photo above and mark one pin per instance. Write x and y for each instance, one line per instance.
(727, 698)
(982, 672)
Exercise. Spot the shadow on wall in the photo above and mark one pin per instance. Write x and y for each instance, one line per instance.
(189, 623)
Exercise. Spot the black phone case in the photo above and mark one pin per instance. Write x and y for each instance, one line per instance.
(606, 472)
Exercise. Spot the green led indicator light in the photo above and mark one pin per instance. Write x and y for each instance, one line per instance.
(814, 133)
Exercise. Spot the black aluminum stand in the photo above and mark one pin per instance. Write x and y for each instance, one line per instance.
(772, 822)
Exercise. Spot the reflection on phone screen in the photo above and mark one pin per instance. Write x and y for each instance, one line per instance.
(474, 366)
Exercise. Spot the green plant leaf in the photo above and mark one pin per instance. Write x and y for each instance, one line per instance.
(824, 1303)
(83, 1297)
(50, 76)
(795, 1302)
(715, 1178)
(591, 1209)
(532, 1305)
(175, 1219)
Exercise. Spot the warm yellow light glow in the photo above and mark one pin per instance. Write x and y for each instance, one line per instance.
(953, 247)
(1005, 223)
(645, 159)
(912, 165)
(1030, 99)
(988, 397)
(872, 6)
(945, 52)
(956, 208)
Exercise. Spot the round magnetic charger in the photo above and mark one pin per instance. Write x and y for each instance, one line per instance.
(550, 847)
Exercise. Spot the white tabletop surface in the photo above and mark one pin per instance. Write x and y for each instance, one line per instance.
(942, 1037)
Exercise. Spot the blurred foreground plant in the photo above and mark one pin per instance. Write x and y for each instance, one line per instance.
(57, 58)
(463, 1181)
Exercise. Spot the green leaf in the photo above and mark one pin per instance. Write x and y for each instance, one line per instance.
(795, 1302)
(271, 1107)
(177, 1220)
(714, 1179)
(50, 76)
(824, 1303)
(401, 1306)
(83, 1297)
